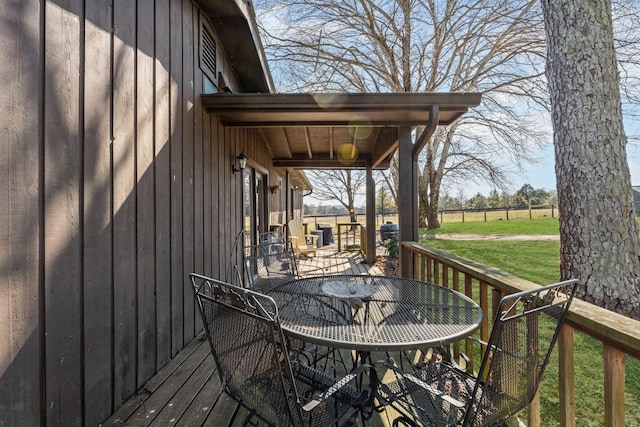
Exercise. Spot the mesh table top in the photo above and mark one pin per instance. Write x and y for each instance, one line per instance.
(374, 313)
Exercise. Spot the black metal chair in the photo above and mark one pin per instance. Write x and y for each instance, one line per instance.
(269, 264)
(271, 236)
(253, 362)
(524, 333)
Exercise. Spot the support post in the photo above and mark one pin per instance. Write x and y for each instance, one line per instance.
(371, 217)
(407, 199)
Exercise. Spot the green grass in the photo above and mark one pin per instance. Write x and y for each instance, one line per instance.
(538, 261)
(535, 261)
(543, 226)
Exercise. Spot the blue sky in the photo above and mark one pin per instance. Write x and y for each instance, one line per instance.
(541, 175)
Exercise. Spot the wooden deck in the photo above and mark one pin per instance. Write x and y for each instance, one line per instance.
(188, 392)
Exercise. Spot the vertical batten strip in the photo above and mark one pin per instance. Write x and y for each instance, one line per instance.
(187, 166)
(162, 168)
(98, 211)
(178, 290)
(145, 192)
(63, 213)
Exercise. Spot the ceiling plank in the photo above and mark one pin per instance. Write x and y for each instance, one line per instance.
(308, 140)
(287, 142)
(331, 142)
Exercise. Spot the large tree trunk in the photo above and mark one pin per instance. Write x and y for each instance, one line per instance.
(599, 242)
(433, 222)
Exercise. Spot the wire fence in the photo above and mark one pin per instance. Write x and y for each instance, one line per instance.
(335, 219)
(496, 214)
(450, 215)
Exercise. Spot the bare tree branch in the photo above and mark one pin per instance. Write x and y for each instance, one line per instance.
(496, 47)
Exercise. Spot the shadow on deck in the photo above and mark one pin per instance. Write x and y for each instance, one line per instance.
(188, 392)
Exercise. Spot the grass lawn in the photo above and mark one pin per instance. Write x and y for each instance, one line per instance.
(543, 226)
(538, 261)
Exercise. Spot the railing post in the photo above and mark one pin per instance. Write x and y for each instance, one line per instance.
(533, 411)
(468, 291)
(613, 386)
(566, 373)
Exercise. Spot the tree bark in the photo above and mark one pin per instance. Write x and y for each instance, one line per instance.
(599, 242)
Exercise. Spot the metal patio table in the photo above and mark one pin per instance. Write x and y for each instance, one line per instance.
(374, 313)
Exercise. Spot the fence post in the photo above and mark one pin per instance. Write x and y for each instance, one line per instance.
(507, 213)
(529, 212)
(441, 217)
(462, 215)
(552, 212)
(485, 215)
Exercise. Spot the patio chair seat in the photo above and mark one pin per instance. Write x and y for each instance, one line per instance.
(524, 333)
(437, 394)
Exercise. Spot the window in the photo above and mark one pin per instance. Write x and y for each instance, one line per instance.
(208, 55)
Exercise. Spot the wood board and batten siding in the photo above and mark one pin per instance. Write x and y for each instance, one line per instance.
(116, 185)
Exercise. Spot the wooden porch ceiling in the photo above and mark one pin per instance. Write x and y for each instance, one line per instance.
(338, 130)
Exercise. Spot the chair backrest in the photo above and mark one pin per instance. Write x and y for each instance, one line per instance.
(271, 236)
(249, 349)
(269, 264)
(524, 333)
(296, 228)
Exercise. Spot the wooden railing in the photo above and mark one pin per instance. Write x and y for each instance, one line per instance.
(618, 334)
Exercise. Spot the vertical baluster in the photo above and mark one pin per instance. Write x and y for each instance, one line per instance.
(468, 291)
(456, 287)
(613, 386)
(566, 373)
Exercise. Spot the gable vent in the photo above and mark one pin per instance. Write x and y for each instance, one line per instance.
(207, 53)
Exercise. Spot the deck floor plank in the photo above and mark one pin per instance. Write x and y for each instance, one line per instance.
(204, 403)
(145, 405)
(181, 401)
(132, 405)
(223, 413)
(147, 412)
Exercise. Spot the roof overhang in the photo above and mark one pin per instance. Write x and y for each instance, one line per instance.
(235, 24)
(338, 130)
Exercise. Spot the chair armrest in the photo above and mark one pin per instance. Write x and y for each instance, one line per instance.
(478, 340)
(334, 388)
(294, 239)
(313, 237)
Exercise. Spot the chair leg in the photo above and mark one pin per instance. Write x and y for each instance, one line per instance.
(404, 420)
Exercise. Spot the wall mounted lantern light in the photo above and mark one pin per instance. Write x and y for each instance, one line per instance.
(274, 188)
(242, 163)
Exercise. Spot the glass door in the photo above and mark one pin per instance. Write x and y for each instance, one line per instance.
(247, 205)
(253, 190)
